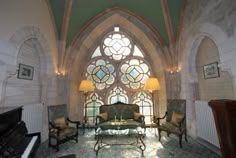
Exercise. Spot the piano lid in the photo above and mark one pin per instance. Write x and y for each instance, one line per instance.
(5, 110)
(9, 117)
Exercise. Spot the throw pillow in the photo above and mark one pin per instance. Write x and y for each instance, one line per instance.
(60, 122)
(103, 116)
(136, 115)
(176, 118)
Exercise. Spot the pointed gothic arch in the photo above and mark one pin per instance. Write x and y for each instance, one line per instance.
(79, 52)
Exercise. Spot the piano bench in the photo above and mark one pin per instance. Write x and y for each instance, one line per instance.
(68, 156)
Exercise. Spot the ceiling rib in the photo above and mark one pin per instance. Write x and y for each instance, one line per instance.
(53, 18)
(167, 20)
(180, 21)
(65, 24)
(169, 29)
(153, 30)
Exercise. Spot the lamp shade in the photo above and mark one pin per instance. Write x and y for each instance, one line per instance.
(152, 84)
(86, 86)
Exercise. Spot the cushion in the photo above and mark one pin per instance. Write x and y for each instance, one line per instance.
(176, 118)
(103, 115)
(60, 122)
(137, 115)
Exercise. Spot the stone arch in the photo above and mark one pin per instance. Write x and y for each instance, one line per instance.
(31, 32)
(215, 33)
(217, 88)
(189, 74)
(78, 52)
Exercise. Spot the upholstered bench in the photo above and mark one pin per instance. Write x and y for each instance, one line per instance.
(119, 111)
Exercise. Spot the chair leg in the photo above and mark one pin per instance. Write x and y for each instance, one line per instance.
(180, 140)
(159, 134)
(57, 147)
(49, 142)
(185, 136)
(76, 138)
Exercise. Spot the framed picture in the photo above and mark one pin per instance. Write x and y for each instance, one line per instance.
(25, 72)
(211, 70)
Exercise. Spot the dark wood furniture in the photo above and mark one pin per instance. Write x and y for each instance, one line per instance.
(14, 139)
(59, 135)
(224, 112)
(173, 105)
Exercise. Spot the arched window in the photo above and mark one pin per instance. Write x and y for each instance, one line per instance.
(118, 69)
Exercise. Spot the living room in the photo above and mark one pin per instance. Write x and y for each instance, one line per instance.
(48, 47)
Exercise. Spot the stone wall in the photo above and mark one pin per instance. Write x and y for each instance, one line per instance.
(27, 36)
(214, 19)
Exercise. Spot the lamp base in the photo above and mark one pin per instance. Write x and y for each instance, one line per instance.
(85, 124)
(85, 120)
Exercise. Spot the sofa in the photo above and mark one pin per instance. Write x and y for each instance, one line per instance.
(120, 111)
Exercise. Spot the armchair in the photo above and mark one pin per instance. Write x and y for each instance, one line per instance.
(175, 120)
(61, 128)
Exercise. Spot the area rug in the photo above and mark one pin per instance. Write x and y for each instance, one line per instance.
(167, 148)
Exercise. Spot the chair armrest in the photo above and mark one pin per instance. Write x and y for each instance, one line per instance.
(181, 123)
(53, 128)
(157, 120)
(141, 119)
(74, 122)
(99, 119)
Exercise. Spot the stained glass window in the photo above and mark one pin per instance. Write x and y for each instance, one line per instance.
(118, 69)
(102, 73)
(92, 106)
(117, 94)
(145, 105)
(117, 46)
(134, 73)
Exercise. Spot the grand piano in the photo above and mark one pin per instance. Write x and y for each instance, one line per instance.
(15, 142)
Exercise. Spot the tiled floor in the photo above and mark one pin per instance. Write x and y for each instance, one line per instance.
(168, 148)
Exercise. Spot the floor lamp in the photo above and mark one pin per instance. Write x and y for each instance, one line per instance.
(151, 85)
(86, 86)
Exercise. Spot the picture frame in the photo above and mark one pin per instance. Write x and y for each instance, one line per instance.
(211, 70)
(25, 72)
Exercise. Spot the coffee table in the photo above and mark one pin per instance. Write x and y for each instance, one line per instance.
(127, 128)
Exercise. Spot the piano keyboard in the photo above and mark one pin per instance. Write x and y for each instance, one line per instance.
(29, 147)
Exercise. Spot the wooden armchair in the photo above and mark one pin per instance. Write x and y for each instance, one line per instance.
(175, 120)
(61, 128)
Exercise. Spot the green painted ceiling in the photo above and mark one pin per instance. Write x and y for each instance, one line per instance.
(83, 10)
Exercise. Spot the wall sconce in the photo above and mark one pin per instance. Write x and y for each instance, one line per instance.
(60, 73)
(173, 70)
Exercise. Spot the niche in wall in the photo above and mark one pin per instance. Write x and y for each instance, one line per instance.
(21, 91)
(214, 88)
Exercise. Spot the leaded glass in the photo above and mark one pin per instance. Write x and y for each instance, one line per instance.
(117, 46)
(97, 53)
(145, 105)
(92, 106)
(102, 73)
(117, 94)
(118, 69)
(134, 73)
(137, 52)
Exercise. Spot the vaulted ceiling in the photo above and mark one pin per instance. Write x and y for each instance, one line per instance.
(163, 15)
